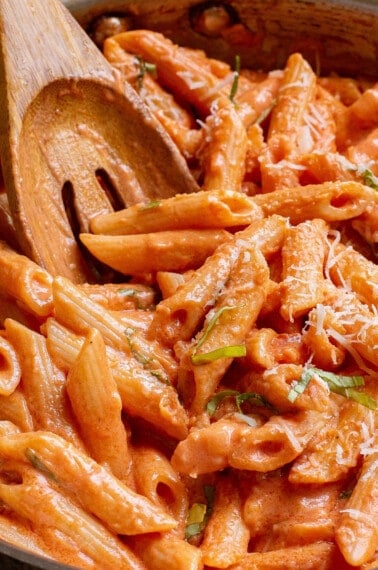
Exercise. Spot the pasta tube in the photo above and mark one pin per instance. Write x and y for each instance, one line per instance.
(120, 508)
(175, 250)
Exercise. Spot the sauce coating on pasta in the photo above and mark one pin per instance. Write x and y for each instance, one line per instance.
(215, 406)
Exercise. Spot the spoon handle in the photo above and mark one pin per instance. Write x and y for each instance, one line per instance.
(41, 43)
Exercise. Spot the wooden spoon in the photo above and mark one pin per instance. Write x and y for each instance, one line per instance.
(74, 140)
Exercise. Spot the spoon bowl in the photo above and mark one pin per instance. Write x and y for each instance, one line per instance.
(75, 141)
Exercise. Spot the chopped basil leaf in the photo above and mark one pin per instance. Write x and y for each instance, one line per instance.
(233, 351)
(359, 397)
(369, 179)
(192, 530)
(203, 358)
(199, 513)
(235, 83)
(141, 358)
(337, 383)
(159, 374)
(36, 462)
(147, 362)
(213, 321)
(143, 68)
(138, 295)
(246, 419)
(300, 386)
(213, 404)
(257, 399)
(339, 380)
(150, 205)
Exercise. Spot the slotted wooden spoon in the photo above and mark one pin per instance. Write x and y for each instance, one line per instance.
(74, 141)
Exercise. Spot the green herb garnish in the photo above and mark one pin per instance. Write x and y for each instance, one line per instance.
(199, 513)
(232, 351)
(147, 362)
(240, 398)
(143, 68)
(337, 383)
(216, 400)
(235, 82)
(300, 386)
(369, 179)
(36, 462)
(150, 205)
(255, 399)
(224, 351)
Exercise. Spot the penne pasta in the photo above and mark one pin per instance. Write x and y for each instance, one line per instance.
(143, 393)
(331, 456)
(10, 371)
(210, 400)
(156, 479)
(302, 269)
(309, 557)
(14, 408)
(226, 535)
(43, 383)
(331, 201)
(120, 508)
(46, 508)
(176, 250)
(235, 312)
(278, 442)
(24, 280)
(356, 533)
(178, 317)
(97, 406)
(205, 209)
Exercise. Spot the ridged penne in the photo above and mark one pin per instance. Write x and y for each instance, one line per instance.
(102, 494)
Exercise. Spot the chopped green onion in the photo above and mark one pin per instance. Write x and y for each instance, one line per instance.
(233, 351)
(36, 462)
(235, 83)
